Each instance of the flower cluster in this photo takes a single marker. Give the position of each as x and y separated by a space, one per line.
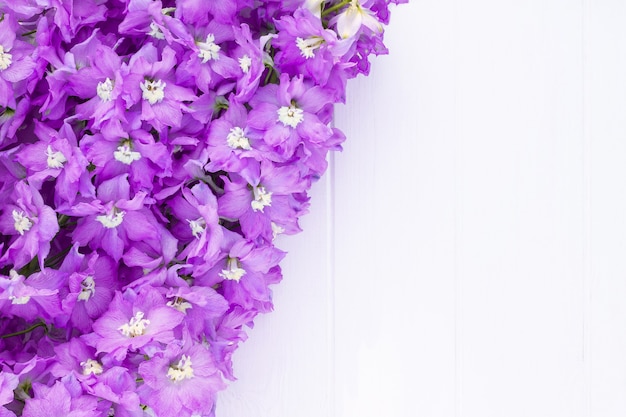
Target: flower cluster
150 154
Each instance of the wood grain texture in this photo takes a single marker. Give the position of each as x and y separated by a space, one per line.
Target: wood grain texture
465 255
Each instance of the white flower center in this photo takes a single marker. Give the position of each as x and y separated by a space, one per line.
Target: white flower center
19 300
112 219
6 59
179 304
155 31
309 45
233 271
197 227
153 91
21 222
135 327
245 62
181 370
87 289
262 198
290 116
91 366
208 50
276 230
125 154
55 159
104 89
236 139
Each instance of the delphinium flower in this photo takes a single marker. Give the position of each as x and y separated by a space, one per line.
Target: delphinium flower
289 114
31 223
56 155
151 85
135 321
126 148
262 195
181 380
151 152
16 63
58 400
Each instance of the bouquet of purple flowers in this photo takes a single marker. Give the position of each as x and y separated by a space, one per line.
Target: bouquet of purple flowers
150 153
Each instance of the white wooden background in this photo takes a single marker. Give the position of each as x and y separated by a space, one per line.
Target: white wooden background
466 254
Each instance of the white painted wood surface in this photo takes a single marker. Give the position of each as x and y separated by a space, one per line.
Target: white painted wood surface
465 255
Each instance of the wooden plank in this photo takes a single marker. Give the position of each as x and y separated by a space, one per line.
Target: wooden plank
285 366
606 128
394 217
521 209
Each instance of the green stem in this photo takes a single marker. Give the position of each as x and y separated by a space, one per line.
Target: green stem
57 257
268 77
335 7
21 332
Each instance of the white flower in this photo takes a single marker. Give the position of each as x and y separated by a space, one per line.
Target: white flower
111 220
181 370
208 50
55 159
125 154
104 89
290 116
21 222
153 91
353 17
136 326
6 59
262 198
236 139
232 272
245 62
309 45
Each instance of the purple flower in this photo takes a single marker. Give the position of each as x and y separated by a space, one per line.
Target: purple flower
196 225
305 47
91 291
151 84
288 114
250 58
263 196
127 149
180 381
135 322
58 401
57 155
116 388
201 306
101 85
205 62
231 143
32 225
114 220
16 64
8 383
